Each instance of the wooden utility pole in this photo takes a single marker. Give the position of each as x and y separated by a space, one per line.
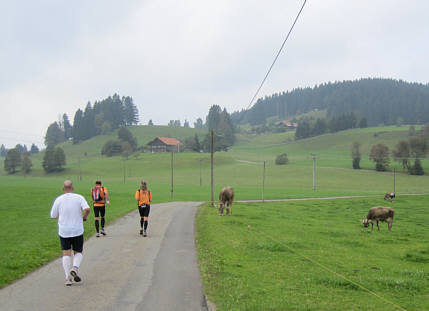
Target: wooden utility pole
201 179
394 181
123 160
314 171
211 168
171 192
263 183
80 171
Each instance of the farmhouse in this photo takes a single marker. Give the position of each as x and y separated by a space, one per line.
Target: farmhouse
164 144
287 125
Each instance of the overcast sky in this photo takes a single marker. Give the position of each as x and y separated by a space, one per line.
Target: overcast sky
177 58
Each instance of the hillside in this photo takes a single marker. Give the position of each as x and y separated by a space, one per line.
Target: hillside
332 150
242 166
380 101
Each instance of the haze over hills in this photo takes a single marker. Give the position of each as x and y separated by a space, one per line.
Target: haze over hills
380 101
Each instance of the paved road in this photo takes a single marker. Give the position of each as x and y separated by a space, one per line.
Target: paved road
123 271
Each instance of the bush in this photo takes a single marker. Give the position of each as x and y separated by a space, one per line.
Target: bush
282 159
112 148
417 168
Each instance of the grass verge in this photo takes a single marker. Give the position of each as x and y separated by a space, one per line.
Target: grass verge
245 269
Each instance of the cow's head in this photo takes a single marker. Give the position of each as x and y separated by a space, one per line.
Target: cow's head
366 222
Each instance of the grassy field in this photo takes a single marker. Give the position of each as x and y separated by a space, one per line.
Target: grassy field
292 256
28 238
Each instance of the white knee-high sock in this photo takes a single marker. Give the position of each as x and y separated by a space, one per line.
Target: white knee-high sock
67 265
77 258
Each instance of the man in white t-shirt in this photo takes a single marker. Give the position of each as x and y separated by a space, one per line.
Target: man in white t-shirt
68 209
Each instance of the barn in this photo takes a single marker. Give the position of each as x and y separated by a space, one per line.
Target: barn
287 125
163 144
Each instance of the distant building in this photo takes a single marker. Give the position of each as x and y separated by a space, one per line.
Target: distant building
163 144
287 125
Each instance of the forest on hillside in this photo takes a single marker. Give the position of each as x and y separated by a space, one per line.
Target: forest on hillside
101 118
380 101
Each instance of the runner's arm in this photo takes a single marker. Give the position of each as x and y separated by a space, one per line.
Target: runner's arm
85 214
54 210
85 207
107 196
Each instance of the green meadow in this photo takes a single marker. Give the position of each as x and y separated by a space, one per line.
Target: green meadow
28 237
315 255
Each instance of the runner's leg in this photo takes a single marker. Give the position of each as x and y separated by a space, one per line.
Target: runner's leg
97 214
102 213
67 262
77 258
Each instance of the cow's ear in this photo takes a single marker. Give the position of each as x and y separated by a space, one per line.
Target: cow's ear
363 221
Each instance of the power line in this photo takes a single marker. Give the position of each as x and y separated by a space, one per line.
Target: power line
278 53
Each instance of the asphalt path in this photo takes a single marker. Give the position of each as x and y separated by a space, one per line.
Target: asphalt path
123 271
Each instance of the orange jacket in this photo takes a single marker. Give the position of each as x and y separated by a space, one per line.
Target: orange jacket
143 196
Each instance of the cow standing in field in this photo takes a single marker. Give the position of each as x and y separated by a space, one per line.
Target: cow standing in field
389 196
379 213
226 197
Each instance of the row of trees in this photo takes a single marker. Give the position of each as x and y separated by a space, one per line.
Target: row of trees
15 160
308 128
53 160
220 122
22 149
380 101
406 152
101 118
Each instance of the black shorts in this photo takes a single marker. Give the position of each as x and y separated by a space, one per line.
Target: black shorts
99 210
144 211
75 242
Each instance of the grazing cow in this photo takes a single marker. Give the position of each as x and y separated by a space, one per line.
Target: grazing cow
226 196
379 213
389 196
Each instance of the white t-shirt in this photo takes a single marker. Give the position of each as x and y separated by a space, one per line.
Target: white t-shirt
68 209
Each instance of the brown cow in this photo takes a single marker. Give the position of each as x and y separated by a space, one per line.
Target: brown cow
226 197
379 213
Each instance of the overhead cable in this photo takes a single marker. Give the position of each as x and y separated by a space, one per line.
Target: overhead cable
278 53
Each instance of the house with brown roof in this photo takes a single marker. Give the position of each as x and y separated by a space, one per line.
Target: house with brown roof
163 144
288 125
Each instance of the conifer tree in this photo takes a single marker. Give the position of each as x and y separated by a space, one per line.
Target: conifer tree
77 127
26 164
67 127
3 151
131 112
59 158
48 163
54 135
12 161
34 149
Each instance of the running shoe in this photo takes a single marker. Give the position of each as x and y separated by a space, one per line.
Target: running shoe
68 281
144 233
97 235
75 276
141 232
102 231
